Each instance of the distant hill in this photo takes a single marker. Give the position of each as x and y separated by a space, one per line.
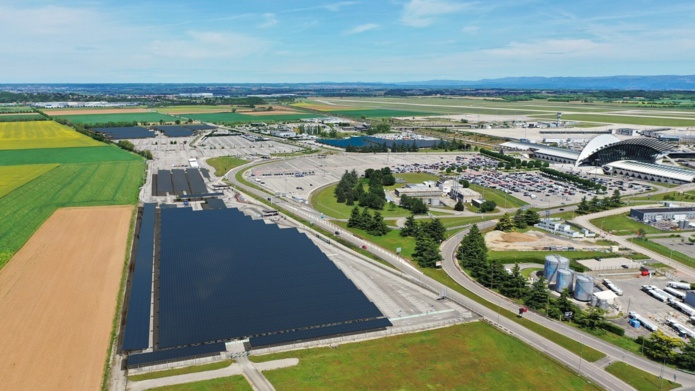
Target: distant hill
665 82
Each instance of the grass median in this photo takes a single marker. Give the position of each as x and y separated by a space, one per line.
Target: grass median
181 371
665 251
641 380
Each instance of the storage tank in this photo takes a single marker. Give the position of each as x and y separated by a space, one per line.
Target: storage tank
602 303
550 269
564 263
583 287
564 280
594 301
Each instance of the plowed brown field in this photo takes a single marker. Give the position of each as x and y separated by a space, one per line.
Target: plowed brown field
58 297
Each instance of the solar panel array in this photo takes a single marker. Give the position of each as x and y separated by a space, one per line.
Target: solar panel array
308 334
179 182
174 130
199 127
159 356
214 203
225 276
131 132
137 328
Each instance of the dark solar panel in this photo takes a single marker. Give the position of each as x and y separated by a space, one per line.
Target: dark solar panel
195 181
135 360
125 132
308 334
164 185
205 173
137 329
214 203
178 177
225 276
199 127
174 130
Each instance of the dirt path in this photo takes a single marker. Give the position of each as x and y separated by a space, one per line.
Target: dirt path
58 298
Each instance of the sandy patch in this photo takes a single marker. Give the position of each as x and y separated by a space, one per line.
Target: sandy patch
93 111
58 298
529 241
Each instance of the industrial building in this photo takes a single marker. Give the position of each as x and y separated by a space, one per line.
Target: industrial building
544 152
655 214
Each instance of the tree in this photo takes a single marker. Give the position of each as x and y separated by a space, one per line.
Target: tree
365 219
493 275
520 219
583 206
435 230
661 347
464 183
538 296
487 206
459 206
515 285
355 219
591 320
472 253
615 200
411 227
594 204
532 217
426 252
505 223
377 226
686 358
383 128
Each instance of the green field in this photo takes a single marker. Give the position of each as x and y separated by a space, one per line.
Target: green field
232 383
457 357
325 202
390 241
12 177
22 117
665 251
459 221
40 134
502 199
539 256
125 117
242 118
223 164
622 225
26 208
631 120
181 371
185 109
382 113
15 109
103 153
639 379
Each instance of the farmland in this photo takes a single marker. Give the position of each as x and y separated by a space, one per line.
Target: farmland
193 109
40 134
15 109
381 113
241 118
106 183
103 153
94 111
455 357
59 298
91 119
631 120
21 117
12 177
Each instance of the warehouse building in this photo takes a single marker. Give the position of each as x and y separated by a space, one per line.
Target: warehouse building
656 214
650 171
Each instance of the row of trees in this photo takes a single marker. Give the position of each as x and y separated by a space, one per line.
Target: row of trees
428 235
452 145
597 205
414 204
374 225
521 220
670 350
582 182
350 188
383 147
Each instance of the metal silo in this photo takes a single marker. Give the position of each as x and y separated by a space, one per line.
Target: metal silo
594 301
550 269
564 263
583 287
564 280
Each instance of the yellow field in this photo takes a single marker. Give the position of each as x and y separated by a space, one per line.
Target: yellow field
41 134
12 177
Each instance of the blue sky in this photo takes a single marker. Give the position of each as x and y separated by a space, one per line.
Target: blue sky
342 41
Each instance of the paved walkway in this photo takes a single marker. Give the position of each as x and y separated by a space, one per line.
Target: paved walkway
243 367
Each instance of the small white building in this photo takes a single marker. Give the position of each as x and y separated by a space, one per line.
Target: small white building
464 194
556 226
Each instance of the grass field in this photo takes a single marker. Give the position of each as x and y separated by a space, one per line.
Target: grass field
382 113
40 134
26 208
622 225
223 164
665 251
631 120
125 117
15 109
12 177
459 221
181 371
242 118
639 379
232 383
21 117
390 241
185 109
456 357
538 256
325 202
671 195
102 153
502 199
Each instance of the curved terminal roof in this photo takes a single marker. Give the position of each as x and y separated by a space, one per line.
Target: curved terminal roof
681 174
647 142
596 144
541 148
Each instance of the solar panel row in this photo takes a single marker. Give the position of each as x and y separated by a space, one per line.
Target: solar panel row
214 203
174 130
301 335
137 329
180 182
195 181
199 127
178 178
225 276
136 360
130 132
164 185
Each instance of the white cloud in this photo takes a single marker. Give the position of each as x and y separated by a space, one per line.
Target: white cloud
361 28
209 45
270 21
422 13
553 47
470 29
335 7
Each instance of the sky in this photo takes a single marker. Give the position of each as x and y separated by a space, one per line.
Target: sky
292 41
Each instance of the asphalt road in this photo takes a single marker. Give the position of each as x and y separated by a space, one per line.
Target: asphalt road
590 370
